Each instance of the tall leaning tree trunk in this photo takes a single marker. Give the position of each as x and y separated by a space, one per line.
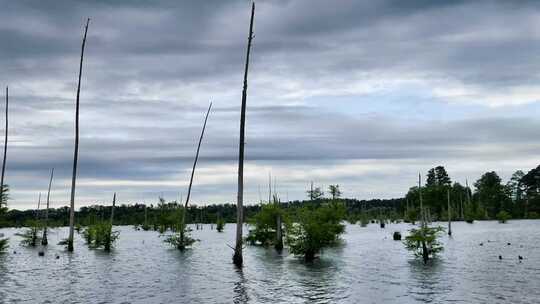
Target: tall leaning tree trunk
238 260
44 240
2 199
76 151
191 179
449 212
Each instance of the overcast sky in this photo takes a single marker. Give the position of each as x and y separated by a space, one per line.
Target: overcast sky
364 94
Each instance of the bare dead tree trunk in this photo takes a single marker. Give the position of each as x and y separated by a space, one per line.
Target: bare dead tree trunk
76 152
425 251
238 260
2 199
449 213
311 192
468 193
36 214
112 209
422 217
279 232
145 216
461 206
269 187
192 174
44 240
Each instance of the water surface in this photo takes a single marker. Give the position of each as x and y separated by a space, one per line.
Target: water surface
368 268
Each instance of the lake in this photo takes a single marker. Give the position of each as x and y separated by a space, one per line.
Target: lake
369 267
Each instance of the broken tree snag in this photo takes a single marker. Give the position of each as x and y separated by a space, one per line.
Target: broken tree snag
237 257
44 240
76 150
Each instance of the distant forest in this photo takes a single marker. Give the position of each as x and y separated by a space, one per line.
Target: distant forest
519 197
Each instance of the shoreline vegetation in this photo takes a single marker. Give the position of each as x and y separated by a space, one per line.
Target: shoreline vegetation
519 198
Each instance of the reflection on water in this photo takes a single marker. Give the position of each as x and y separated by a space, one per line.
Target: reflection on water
240 290
369 267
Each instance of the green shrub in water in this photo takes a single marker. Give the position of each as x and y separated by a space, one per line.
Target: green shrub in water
364 220
265 223
423 242
220 224
181 237
314 229
411 216
100 235
31 236
4 244
503 217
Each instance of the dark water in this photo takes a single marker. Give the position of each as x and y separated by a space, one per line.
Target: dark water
368 268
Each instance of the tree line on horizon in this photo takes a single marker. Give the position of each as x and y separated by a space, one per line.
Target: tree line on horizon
519 197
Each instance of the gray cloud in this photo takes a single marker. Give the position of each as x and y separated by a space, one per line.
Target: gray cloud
151 68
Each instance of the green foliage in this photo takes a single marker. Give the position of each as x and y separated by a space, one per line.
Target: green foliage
220 224
437 177
503 216
181 240
181 236
100 235
423 242
364 220
265 223
31 236
411 216
314 229
334 191
491 194
4 244
352 219
469 214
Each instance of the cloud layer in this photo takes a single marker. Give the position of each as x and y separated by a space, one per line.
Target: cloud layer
360 93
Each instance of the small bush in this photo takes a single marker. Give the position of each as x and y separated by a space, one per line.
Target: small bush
364 220
181 239
423 242
181 236
100 235
4 244
315 229
220 224
397 236
265 222
31 236
411 216
503 217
